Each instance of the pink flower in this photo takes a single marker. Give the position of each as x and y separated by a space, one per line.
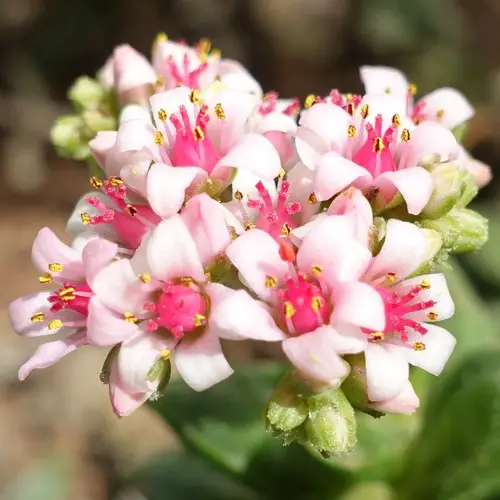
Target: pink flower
406 402
374 149
174 310
65 310
195 147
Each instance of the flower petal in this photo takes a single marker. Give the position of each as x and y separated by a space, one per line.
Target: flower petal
402 252
96 255
170 101
334 173
166 187
301 187
382 80
172 253
256 256
414 183
310 147
201 362
358 304
235 315
131 69
448 106
245 182
51 352
235 76
405 403
387 371
315 355
101 145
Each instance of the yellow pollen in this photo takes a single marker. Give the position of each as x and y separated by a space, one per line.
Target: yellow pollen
161 37
130 210
440 114
348 97
316 269
129 317
45 278
67 293
412 89
378 145
351 131
391 277
55 324
219 111
162 114
145 278
232 232
194 96
433 316
165 354
187 281
388 90
365 111
199 320
95 182
215 53
158 138
38 317
115 181
316 303
419 346
160 81
425 285
289 310
310 101
204 45
238 195
199 135
55 267
377 336
405 135
282 173
285 230
249 226
271 281
396 120
85 218
312 199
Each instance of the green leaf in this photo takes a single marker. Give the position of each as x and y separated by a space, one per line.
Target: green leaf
457 454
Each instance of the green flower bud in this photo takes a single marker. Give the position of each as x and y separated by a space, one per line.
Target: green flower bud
86 93
331 426
96 121
68 138
460 131
469 190
462 230
106 367
434 244
160 372
377 234
447 179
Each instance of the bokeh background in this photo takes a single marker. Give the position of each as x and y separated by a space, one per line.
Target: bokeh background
59 438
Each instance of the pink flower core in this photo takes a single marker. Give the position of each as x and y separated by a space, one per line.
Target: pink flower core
275 220
397 306
181 308
74 297
270 103
348 102
182 75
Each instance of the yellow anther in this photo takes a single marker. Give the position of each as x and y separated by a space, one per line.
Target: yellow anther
282 173
425 285
187 281
165 354
378 145
388 90
160 82
391 277
271 281
289 310
316 303
285 230
405 135
215 53
232 232
55 324
115 181
377 336
199 320
249 226
219 111
199 135
161 37
412 89
312 199
194 96
55 267
95 182
365 111
67 293
204 45
162 115
396 120
439 114
85 218
130 210
238 195
433 316
316 270
38 317
45 278
348 97
351 131
129 317
310 101
145 278
158 138
419 346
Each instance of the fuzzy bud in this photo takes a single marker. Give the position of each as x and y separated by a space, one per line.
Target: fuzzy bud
86 93
68 137
96 121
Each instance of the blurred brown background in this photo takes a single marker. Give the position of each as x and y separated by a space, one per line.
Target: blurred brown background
59 422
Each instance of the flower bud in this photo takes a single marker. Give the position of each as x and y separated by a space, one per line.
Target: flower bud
160 372
481 173
96 121
68 138
86 93
331 426
469 190
434 243
460 131
462 230
447 180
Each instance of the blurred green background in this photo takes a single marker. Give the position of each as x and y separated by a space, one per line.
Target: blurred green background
59 437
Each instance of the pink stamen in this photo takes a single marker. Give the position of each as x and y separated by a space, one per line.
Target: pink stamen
71 296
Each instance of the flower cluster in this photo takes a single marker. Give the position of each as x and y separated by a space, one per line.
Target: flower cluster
222 213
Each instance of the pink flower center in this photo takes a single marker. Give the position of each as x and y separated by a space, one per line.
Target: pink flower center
181 308
74 297
182 75
348 102
129 221
270 104
397 307
275 220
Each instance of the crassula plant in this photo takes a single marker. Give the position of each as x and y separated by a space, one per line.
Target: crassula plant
218 212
